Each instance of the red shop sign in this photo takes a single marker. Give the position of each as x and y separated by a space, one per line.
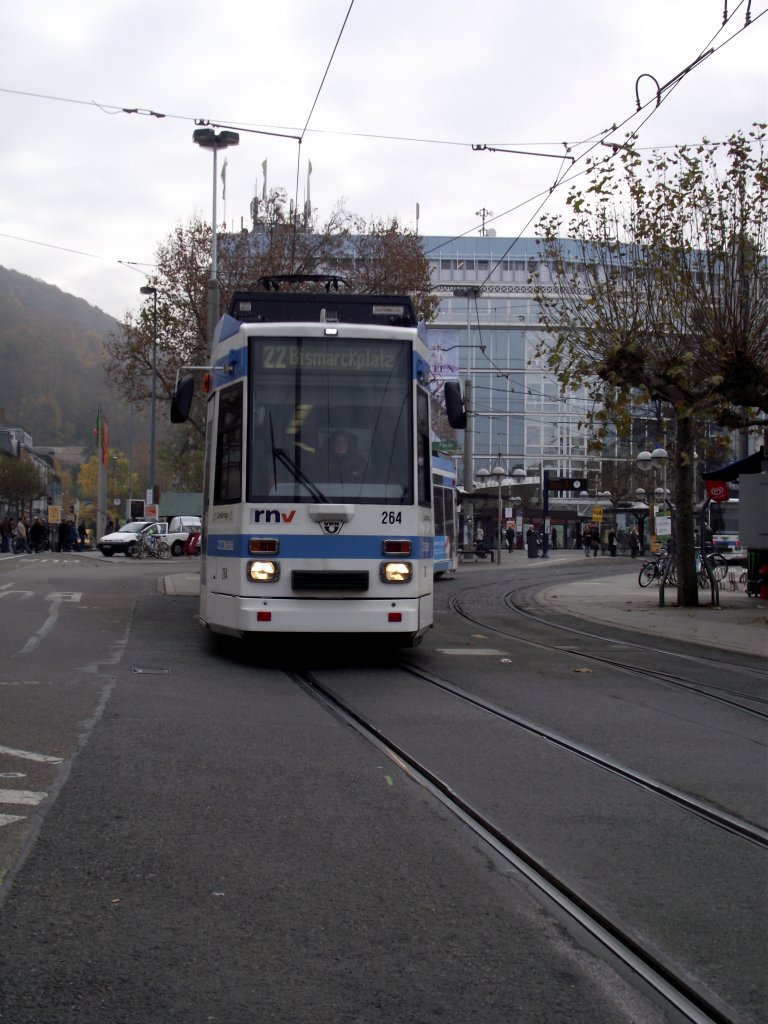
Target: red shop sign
717 490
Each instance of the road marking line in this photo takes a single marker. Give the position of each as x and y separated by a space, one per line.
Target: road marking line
28 755
8 819
21 796
46 627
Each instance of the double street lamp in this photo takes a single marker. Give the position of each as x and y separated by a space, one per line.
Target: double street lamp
209 139
652 462
500 474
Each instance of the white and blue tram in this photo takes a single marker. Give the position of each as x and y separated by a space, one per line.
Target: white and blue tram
318 486
444 495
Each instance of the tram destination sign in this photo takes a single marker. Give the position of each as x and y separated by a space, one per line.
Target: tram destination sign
278 355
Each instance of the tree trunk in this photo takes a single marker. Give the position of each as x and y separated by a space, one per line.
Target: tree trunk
687 584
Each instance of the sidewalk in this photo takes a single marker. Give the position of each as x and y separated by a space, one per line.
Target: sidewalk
739 624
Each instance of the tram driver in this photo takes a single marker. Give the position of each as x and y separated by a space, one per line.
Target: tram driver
342 458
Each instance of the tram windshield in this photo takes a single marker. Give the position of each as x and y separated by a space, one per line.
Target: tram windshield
330 420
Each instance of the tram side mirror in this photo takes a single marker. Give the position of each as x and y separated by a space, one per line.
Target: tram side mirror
181 400
454 405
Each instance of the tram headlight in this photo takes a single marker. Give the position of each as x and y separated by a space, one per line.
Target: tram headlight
263 572
396 572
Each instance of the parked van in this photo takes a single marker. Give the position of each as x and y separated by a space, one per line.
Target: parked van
179 529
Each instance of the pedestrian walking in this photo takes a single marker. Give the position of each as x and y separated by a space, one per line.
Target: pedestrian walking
554 538
594 540
36 535
586 541
510 535
531 543
22 536
612 545
634 542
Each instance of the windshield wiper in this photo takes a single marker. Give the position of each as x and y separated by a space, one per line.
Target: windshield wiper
282 456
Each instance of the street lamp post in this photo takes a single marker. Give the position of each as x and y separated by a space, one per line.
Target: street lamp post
650 462
209 139
518 477
148 290
499 473
470 292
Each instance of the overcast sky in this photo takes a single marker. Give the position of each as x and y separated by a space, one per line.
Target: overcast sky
87 191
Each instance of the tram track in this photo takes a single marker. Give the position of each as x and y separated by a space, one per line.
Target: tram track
705 810
727 695
635 960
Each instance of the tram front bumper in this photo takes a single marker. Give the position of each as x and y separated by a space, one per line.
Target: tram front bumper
238 615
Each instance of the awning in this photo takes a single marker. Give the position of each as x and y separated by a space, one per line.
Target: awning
733 470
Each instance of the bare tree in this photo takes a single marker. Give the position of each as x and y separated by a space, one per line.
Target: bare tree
378 257
20 482
662 295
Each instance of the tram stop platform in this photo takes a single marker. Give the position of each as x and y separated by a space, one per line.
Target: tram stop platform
739 623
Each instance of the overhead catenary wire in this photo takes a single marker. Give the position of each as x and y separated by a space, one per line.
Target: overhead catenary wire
561 179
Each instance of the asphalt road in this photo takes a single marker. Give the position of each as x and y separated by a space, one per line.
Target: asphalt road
200 840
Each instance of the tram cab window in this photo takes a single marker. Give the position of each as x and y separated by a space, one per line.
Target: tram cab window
331 416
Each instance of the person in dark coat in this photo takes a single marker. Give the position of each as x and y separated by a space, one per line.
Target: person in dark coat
531 543
594 540
510 535
634 542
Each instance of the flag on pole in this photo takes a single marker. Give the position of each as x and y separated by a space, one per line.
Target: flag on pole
101 437
264 172
224 179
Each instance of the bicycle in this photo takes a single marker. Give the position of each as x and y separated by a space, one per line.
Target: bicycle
650 570
658 565
152 545
718 566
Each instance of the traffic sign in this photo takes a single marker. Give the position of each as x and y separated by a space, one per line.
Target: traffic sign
597 513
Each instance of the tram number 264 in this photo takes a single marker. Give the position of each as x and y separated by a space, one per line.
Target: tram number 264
391 517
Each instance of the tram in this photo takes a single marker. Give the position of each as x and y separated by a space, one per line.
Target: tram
444 495
318 486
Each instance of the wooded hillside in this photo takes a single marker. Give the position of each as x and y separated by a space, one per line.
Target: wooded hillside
52 359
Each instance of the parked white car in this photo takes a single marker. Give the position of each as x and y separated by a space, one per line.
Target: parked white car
123 541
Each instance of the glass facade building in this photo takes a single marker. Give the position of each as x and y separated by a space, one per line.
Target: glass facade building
488 331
